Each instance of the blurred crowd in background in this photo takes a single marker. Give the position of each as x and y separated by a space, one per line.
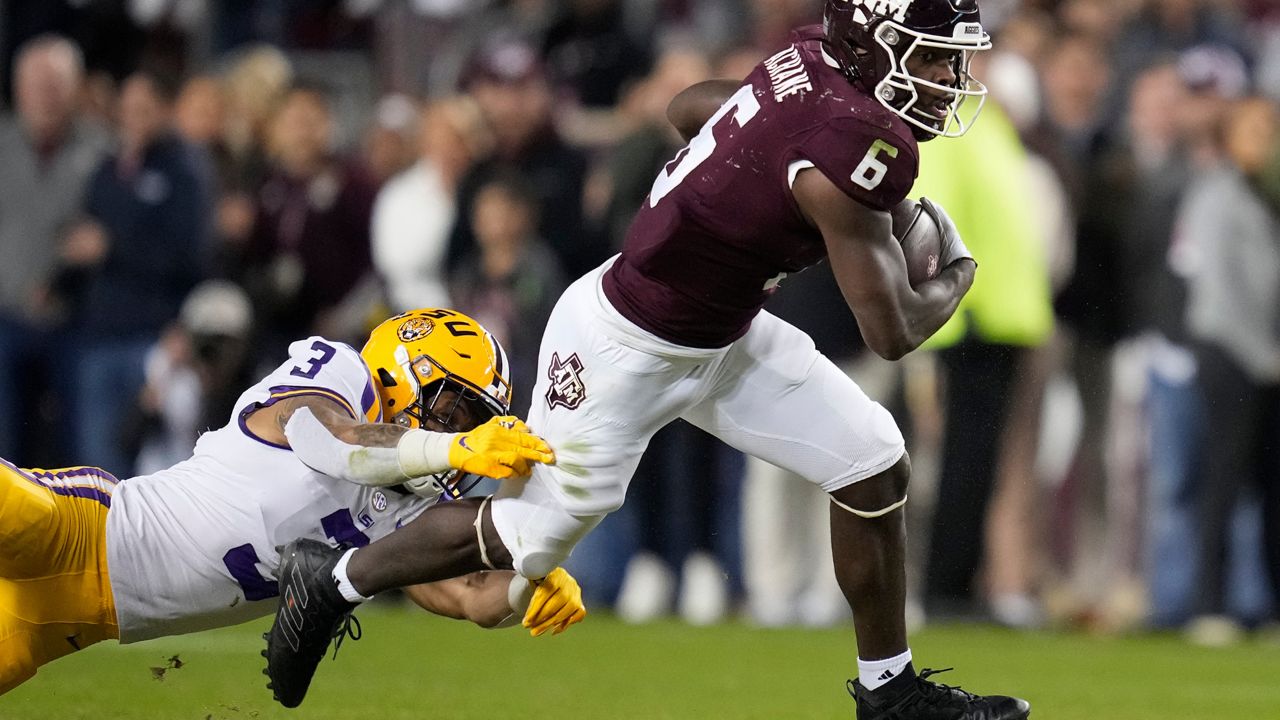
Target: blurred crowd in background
186 186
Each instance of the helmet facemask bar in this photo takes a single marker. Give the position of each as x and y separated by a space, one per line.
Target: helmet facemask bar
481 404
431 406
899 82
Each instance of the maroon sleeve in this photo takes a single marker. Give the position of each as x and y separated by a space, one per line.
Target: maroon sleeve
872 165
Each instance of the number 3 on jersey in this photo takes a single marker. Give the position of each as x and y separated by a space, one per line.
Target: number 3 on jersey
744 106
314 364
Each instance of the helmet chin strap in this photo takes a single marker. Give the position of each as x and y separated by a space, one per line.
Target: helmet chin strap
826 57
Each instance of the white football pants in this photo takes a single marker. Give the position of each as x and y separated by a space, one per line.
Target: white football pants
606 386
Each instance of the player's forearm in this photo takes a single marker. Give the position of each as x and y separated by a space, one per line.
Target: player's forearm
498 602
376 435
936 301
366 454
898 318
484 598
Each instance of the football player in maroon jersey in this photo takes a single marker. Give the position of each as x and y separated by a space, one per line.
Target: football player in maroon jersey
799 162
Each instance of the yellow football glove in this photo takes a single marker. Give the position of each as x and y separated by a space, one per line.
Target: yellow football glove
556 603
501 448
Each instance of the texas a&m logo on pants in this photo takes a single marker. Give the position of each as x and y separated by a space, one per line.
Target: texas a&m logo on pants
567 389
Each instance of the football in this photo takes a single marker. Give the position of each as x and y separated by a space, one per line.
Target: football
921 240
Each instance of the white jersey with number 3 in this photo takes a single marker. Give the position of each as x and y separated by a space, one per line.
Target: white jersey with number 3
194 546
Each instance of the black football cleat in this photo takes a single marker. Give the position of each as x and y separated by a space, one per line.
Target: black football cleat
311 613
915 697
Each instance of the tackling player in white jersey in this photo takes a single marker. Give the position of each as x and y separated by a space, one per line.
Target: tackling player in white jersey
88 558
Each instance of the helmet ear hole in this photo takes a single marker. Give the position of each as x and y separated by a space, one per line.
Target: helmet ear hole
386 378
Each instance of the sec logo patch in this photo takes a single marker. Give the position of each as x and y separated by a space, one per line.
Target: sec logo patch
379 501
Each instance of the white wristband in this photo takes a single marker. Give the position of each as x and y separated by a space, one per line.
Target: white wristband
519 593
422 452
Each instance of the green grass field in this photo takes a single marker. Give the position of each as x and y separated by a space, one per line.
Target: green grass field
410 665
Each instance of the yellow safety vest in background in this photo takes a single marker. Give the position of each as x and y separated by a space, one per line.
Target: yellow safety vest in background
980 179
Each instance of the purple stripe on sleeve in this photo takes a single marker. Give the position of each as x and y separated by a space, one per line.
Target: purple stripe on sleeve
83 492
24 474
92 472
42 477
368 398
300 390
243 418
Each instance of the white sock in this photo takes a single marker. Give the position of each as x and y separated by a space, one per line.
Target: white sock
344 583
874 673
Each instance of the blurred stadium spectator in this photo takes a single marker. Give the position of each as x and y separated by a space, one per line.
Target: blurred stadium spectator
49 152
417 209
512 281
1166 150
593 53
389 140
1233 315
984 349
194 375
310 244
135 255
253 85
508 80
1074 136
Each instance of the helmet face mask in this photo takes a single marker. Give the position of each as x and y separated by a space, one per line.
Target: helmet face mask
447 403
874 43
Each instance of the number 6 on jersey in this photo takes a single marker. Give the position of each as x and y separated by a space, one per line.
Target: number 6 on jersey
744 106
870 172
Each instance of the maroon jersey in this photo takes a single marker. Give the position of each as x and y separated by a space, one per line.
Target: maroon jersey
720 227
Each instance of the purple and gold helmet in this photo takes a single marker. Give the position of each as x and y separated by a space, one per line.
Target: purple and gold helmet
418 355
438 369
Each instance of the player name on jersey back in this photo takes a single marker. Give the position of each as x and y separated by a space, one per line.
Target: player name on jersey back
787 74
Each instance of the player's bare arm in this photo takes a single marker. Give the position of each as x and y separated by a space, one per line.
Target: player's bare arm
269 422
500 598
689 110
868 264
480 597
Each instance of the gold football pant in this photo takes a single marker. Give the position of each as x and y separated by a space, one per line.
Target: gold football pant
55 597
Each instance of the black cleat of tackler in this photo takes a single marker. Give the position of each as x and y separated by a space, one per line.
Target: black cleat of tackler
310 614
